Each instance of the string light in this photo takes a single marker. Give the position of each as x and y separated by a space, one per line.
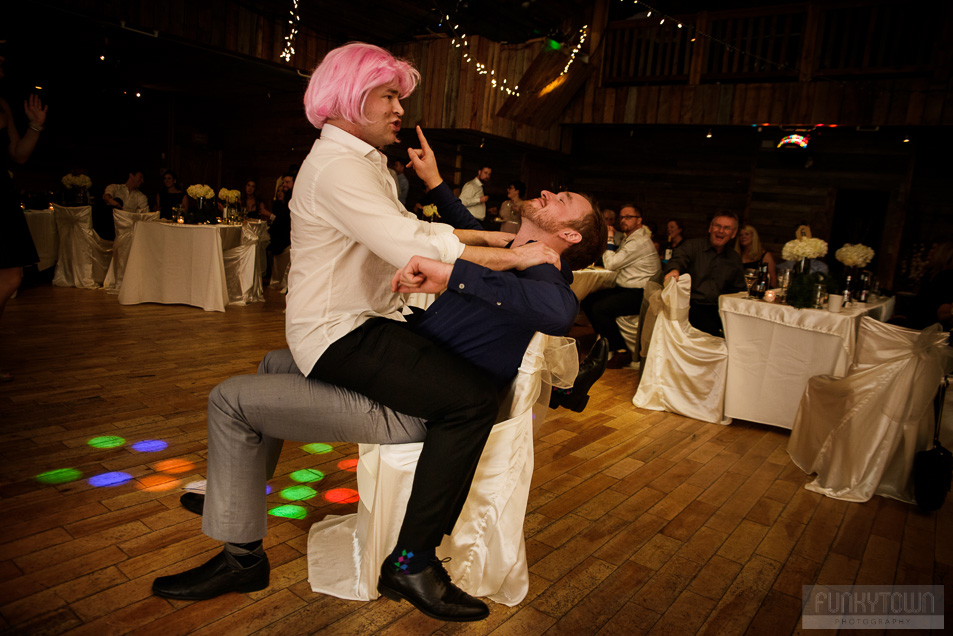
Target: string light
709 37
289 49
583 32
461 41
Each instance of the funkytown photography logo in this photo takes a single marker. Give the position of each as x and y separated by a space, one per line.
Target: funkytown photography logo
872 606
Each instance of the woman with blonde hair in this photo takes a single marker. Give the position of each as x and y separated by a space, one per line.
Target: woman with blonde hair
752 254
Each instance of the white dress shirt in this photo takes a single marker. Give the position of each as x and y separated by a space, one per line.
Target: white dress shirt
349 235
470 196
134 201
636 261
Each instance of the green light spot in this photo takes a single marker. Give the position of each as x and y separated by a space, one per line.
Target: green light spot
289 512
307 474
59 476
317 449
554 45
298 493
107 441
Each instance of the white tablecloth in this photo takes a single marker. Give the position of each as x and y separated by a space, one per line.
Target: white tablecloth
586 281
178 264
42 225
774 349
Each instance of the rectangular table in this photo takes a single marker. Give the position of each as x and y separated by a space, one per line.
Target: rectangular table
774 349
178 264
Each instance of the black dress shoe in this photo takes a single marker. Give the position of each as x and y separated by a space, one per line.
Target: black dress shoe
590 370
217 576
193 502
432 592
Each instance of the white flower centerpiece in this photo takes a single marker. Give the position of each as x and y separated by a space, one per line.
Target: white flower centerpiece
854 255
803 249
203 195
231 198
77 187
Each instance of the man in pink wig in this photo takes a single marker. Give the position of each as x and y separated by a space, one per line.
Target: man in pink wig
344 326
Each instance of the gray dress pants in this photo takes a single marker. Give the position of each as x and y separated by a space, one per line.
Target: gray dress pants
249 417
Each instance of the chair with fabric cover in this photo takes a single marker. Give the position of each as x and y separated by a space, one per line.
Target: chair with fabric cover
860 433
83 256
685 369
243 266
488 555
125 223
632 327
280 265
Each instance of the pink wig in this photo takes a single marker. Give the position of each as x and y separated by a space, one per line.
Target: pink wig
341 82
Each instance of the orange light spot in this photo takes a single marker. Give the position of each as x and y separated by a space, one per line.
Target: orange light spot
174 466
348 464
157 483
342 495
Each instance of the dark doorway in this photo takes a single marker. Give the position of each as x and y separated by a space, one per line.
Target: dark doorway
859 217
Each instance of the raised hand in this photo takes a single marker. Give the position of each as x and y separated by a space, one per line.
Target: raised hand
424 162
35 110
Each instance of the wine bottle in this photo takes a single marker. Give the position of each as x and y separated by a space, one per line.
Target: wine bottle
760 284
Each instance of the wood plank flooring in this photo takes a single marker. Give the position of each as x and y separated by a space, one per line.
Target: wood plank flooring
638 523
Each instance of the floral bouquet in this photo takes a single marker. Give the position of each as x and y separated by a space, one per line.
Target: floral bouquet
804 248
854 255
230 197
430 211
77 181
200 191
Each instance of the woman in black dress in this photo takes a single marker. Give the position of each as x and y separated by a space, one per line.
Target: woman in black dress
16 245
170 196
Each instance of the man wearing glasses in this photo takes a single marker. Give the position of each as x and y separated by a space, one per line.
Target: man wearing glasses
635 262
714 269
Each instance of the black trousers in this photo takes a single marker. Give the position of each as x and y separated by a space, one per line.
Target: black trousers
706 318
603 306
389 363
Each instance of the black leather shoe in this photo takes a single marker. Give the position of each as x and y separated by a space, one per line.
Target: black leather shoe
590 370
193 502
432 592
214 578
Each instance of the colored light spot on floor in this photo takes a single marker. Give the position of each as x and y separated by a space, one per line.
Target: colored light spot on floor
106 441
306 475
317 449
267 489
174 466
59 476
298 493
348 464
289 512
157 483
106 480
342 495
150 446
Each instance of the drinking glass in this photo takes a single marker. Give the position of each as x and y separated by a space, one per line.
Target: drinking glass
750 276
820 296
784 281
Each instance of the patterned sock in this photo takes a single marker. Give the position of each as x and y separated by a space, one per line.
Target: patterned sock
410 562
244 555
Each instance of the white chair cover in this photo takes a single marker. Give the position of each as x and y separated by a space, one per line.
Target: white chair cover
487 548
42 224
629 329
280 266
125 223
860 433
83 256
243 267
685 369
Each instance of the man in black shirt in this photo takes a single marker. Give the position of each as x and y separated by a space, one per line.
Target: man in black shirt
715 269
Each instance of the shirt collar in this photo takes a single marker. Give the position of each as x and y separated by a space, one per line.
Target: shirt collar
332 132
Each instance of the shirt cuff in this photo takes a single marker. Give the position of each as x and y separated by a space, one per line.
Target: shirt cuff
447 244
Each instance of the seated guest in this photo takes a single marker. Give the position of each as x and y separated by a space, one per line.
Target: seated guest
126 196
635 262
715 269
169 196
675 235
510 209
752 255
280 223
253 206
